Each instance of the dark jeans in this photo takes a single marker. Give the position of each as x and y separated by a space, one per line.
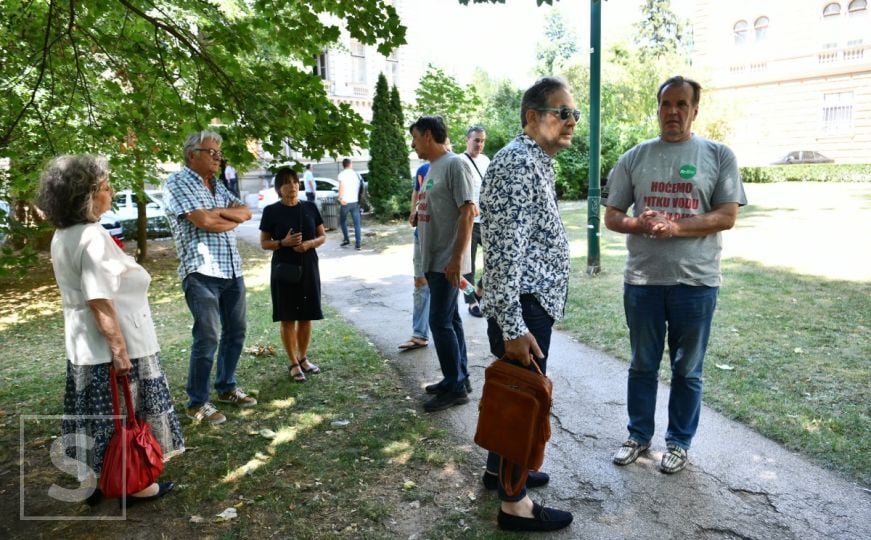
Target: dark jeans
540 325
447 332
470 277
685 313
310 197
218 309
354 209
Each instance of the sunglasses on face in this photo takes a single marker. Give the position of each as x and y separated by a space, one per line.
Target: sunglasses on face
564 113
214 154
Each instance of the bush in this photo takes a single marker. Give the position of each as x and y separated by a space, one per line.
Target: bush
822 172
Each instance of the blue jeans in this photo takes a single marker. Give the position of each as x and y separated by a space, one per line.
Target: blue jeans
685 313
447 332
218 308
354 209
540 325
420 316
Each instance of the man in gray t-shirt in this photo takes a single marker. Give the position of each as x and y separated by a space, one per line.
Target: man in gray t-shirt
445 213
684 190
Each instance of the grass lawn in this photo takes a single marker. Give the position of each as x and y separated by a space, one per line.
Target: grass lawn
344 455
790 350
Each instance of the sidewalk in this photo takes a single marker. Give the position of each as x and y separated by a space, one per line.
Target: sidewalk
738 484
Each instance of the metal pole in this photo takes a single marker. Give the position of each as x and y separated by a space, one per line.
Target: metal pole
594 194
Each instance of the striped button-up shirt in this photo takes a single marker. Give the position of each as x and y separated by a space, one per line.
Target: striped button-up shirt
209 253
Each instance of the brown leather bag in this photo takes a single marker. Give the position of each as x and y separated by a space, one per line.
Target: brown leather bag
514 417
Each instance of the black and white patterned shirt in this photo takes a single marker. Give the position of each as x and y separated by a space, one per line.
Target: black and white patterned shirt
526 249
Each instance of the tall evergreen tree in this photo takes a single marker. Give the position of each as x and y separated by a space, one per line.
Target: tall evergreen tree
400 147
386 188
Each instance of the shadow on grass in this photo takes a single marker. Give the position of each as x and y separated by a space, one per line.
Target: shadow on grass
340 455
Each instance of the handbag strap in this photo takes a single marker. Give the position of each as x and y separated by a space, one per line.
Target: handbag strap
128 399
481 176
534 363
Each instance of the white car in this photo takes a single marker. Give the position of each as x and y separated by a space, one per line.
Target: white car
326 187
112 224
125 204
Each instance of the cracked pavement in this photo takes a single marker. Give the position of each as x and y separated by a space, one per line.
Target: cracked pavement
738 484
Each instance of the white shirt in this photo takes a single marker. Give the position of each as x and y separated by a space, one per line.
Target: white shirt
308 182
350 185
88 265
481 163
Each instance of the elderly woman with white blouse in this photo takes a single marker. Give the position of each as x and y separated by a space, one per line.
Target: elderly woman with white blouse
107 321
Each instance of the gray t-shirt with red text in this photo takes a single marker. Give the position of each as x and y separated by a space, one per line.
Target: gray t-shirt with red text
679 179
447 187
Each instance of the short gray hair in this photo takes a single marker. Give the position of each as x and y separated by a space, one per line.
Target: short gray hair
194 141
537 96
67 187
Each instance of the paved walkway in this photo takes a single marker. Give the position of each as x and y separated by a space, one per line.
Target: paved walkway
738 484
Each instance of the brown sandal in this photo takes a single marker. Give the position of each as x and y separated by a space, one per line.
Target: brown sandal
299 376
309 367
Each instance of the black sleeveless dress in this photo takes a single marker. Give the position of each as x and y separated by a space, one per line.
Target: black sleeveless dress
300 302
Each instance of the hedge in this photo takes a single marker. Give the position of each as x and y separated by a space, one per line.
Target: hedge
822 172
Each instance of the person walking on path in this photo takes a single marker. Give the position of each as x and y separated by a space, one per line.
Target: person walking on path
526 266
420 314
308 183
203 215
445 214
349 190
684 190
476 138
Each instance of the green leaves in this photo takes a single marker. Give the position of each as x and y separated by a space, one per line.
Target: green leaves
130 80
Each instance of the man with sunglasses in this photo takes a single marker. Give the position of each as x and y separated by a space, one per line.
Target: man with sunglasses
684 190
526 268
203 214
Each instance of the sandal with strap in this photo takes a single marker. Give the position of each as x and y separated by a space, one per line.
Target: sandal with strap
309 367
299 376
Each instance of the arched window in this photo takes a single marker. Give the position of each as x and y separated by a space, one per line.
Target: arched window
832 10
761 27
740 30
857 5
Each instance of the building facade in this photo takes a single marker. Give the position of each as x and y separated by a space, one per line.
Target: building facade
792 74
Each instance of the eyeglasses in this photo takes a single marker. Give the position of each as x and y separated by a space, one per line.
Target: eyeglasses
214 154
564 113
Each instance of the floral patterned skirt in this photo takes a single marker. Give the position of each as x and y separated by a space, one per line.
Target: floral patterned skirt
88 395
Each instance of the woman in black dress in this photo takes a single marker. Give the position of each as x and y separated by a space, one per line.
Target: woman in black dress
292 229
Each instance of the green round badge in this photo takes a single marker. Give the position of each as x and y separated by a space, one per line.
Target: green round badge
429 184
687 171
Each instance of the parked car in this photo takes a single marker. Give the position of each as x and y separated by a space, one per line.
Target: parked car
4 219
325 187
157 225
125 204
803 156
112 223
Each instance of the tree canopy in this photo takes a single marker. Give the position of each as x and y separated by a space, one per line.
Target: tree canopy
439 94
130 79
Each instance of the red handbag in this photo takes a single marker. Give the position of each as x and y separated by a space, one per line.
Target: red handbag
134 459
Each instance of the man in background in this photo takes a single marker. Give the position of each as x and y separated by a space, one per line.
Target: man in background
349 190
476 137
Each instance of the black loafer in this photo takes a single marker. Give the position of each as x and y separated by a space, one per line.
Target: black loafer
163 489
544 519
439 387
445 401
533 480
475 311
